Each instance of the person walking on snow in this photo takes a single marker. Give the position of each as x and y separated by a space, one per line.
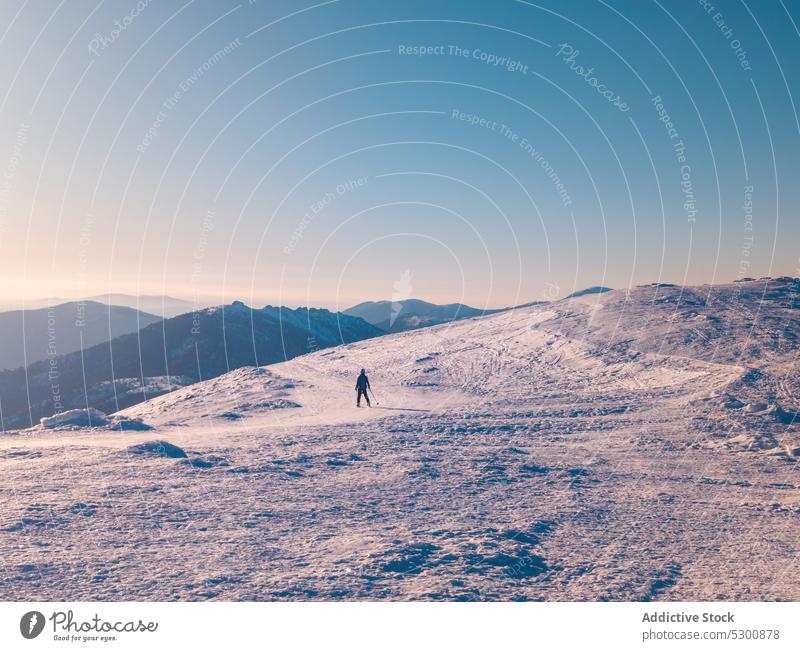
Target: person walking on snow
362 384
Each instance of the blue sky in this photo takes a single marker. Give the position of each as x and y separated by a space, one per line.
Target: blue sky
321 153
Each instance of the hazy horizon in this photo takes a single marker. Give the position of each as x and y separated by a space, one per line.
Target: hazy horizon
210 301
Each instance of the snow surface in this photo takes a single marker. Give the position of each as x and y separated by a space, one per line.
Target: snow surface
541 453
92 418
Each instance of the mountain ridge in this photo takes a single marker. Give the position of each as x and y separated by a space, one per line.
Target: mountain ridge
410 314
36 334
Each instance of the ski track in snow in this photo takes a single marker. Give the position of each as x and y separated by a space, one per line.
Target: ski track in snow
507 460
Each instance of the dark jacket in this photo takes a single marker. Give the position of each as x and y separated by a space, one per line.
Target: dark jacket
362 382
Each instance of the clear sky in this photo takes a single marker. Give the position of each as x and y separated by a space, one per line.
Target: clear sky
327 153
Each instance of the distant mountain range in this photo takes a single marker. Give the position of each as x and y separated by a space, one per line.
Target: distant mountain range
163 306
29 336
169 354
410 314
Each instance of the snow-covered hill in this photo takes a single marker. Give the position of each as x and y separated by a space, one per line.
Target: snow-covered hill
502 361
622 445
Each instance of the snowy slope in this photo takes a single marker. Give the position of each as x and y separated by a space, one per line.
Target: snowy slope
495 359
623 445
